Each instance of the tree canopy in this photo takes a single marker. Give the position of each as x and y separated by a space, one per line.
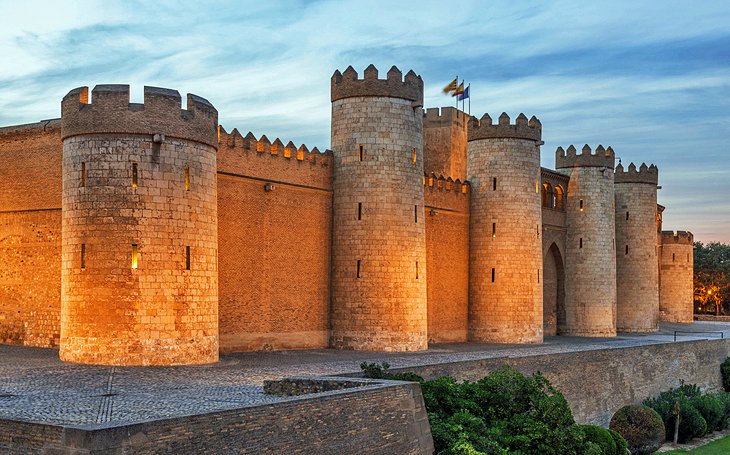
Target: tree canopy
712 278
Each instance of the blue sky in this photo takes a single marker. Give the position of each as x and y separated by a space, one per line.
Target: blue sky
651 79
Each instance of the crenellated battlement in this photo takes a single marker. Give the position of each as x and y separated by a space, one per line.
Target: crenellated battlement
522 128
347 84
445 184
587 158
110 112
645 174
445 116
263 146
679 237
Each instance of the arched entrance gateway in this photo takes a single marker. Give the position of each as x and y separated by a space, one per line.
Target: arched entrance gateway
553 292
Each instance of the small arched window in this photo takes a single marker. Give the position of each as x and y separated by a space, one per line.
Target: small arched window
559 198
547 195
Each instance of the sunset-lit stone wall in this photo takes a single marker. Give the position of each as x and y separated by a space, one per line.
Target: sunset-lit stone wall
30 234
447 259
505 248
139 252
590 252
444 142
274 237
637 277
676 292
553 251
379 235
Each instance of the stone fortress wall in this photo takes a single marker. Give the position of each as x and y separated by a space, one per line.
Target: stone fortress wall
139 254
590 260
637 302
676 267
416 207
505 258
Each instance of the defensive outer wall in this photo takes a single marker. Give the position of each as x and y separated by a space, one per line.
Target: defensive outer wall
279 230
379 416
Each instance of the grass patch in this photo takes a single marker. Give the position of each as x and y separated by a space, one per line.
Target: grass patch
719 447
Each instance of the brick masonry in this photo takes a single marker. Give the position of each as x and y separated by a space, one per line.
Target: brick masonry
590 251
447 259
139 277
387 419
274 246
597 383
637 277
505 261
286 227
379 236
444 141
676 295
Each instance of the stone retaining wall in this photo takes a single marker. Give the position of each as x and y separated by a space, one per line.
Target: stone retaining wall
597 383
383 418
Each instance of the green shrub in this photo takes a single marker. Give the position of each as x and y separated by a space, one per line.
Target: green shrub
380 371
518 414
725 370
374 370
621 445
691 422
641 426
724 398
712 410
601 437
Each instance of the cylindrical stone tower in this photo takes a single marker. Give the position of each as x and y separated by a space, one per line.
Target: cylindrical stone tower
676 291
505 248
637 277
379 241
139 254
590 250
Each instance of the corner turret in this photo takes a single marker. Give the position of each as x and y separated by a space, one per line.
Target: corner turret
111 112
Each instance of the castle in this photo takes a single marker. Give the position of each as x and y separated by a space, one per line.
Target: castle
146 234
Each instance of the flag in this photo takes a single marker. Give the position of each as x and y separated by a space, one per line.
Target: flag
464 95
459 91
451 87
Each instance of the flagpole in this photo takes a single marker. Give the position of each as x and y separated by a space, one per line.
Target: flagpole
470 100
457 88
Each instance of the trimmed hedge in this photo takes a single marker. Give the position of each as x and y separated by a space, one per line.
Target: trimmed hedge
601 437
641 426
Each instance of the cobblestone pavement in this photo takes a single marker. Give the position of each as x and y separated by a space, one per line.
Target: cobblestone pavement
35 386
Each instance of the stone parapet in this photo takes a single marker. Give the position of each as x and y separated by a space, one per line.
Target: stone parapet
522 128
679 237
644 174
111 112
347 85
569 158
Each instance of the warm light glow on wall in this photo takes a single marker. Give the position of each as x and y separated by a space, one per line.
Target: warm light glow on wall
187 177
135 255
135 174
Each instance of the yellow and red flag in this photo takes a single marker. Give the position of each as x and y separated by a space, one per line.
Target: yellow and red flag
451 87
459 90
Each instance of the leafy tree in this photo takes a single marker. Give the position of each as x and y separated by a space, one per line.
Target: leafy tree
712 277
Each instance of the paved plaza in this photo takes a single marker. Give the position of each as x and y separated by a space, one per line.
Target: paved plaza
36 386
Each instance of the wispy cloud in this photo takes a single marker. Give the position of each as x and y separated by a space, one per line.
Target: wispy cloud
653 82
